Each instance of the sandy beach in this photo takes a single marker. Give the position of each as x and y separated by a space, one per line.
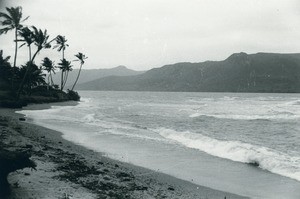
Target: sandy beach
67 170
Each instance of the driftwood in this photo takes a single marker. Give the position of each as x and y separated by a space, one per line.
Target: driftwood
11 161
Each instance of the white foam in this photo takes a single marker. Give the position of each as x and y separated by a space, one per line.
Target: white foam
267 159
89 118
278 116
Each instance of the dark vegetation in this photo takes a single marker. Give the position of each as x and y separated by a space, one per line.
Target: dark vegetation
11 161
241 72
27 82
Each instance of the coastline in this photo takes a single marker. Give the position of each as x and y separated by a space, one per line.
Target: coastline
67 170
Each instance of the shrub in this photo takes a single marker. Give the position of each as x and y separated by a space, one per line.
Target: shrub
73 95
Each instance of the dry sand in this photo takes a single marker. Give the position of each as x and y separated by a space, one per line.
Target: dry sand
66 170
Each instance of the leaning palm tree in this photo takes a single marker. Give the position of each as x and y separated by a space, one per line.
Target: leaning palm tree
41 42
65 67
80 57
26 37
61 45
49 66
12 21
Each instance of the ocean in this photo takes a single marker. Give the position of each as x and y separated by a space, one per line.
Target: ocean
244 143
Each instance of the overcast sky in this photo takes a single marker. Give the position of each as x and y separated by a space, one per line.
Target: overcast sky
142 34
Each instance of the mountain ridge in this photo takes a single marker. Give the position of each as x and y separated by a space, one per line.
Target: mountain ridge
92 74
240 72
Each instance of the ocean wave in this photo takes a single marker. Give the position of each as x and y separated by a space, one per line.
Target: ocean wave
131 135
275 116
266 158
89 118
295 102
227 98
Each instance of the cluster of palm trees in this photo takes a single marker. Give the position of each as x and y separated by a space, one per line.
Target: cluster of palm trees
29 75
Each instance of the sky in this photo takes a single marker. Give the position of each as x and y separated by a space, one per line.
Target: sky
144 34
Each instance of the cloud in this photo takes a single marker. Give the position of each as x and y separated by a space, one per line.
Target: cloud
150 33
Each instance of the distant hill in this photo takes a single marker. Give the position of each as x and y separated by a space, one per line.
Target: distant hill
241 72
92 74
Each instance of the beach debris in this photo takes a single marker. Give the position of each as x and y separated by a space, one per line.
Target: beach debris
254 163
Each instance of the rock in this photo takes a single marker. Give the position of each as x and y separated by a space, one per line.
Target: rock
11 161
22 119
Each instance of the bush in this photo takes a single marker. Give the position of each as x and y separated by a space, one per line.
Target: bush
13 103
73 95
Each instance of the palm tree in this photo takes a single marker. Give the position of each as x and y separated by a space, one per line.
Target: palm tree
34 77
27 38
65 67
80 57
12 21
61 45
41 41
49 66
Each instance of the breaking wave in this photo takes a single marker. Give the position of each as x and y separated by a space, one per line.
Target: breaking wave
275 116
265 158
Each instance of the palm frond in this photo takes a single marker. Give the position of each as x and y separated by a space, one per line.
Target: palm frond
22 45
4 30
6 16
25 18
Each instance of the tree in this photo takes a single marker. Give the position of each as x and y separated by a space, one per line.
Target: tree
12 21
33 78
61 45
65 67
41 42
27 38
5 67
49 66
80 57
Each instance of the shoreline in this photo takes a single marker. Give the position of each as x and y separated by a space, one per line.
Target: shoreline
69 170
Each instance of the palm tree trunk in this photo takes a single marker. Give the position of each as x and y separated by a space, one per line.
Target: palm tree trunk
51 79
16 46
62 73
66 78
26 73
62 80
29 52
77 77
48 85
